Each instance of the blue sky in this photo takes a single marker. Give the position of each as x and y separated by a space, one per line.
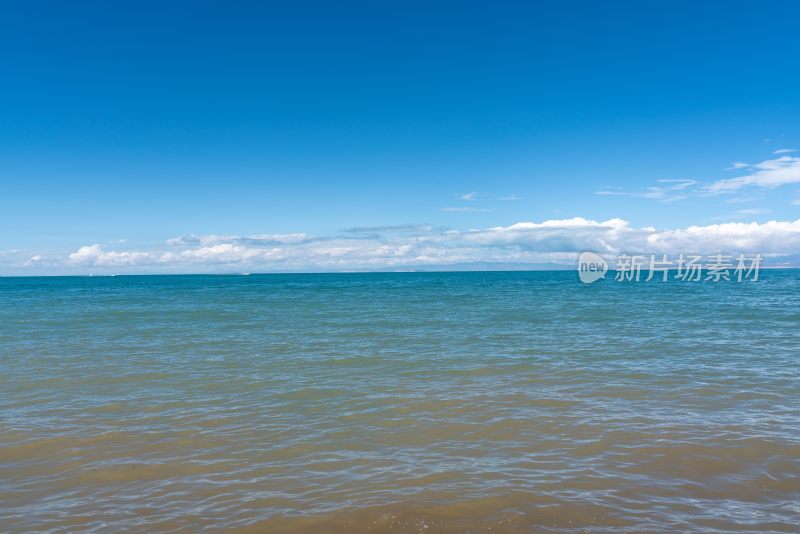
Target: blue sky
128 124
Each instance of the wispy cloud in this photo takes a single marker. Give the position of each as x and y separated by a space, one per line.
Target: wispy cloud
671 191
753 211
784 151
770 173
747 213
744 199
474 195
678 184
464 209
398 228
260 239
737 165
551 241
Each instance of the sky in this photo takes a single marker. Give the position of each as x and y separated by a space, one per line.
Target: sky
273 136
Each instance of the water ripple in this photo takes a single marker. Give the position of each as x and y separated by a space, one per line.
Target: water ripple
471 402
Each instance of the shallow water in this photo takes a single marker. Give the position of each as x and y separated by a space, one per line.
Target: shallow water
444 402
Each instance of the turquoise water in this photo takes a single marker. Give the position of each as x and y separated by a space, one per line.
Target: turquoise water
409 402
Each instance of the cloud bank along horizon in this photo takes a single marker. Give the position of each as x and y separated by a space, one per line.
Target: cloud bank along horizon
551 242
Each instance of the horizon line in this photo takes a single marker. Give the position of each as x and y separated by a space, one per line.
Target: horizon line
405 271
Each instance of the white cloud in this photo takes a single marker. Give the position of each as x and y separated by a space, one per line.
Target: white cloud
737 165
221 239
770 174
95 256
550 241
456 209
744 199
679 184
773 237
743 214
474 195
753 211
398 228
672 191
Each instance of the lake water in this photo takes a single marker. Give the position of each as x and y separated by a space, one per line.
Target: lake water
407 402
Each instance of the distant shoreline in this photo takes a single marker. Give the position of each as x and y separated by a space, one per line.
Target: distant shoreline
399 271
